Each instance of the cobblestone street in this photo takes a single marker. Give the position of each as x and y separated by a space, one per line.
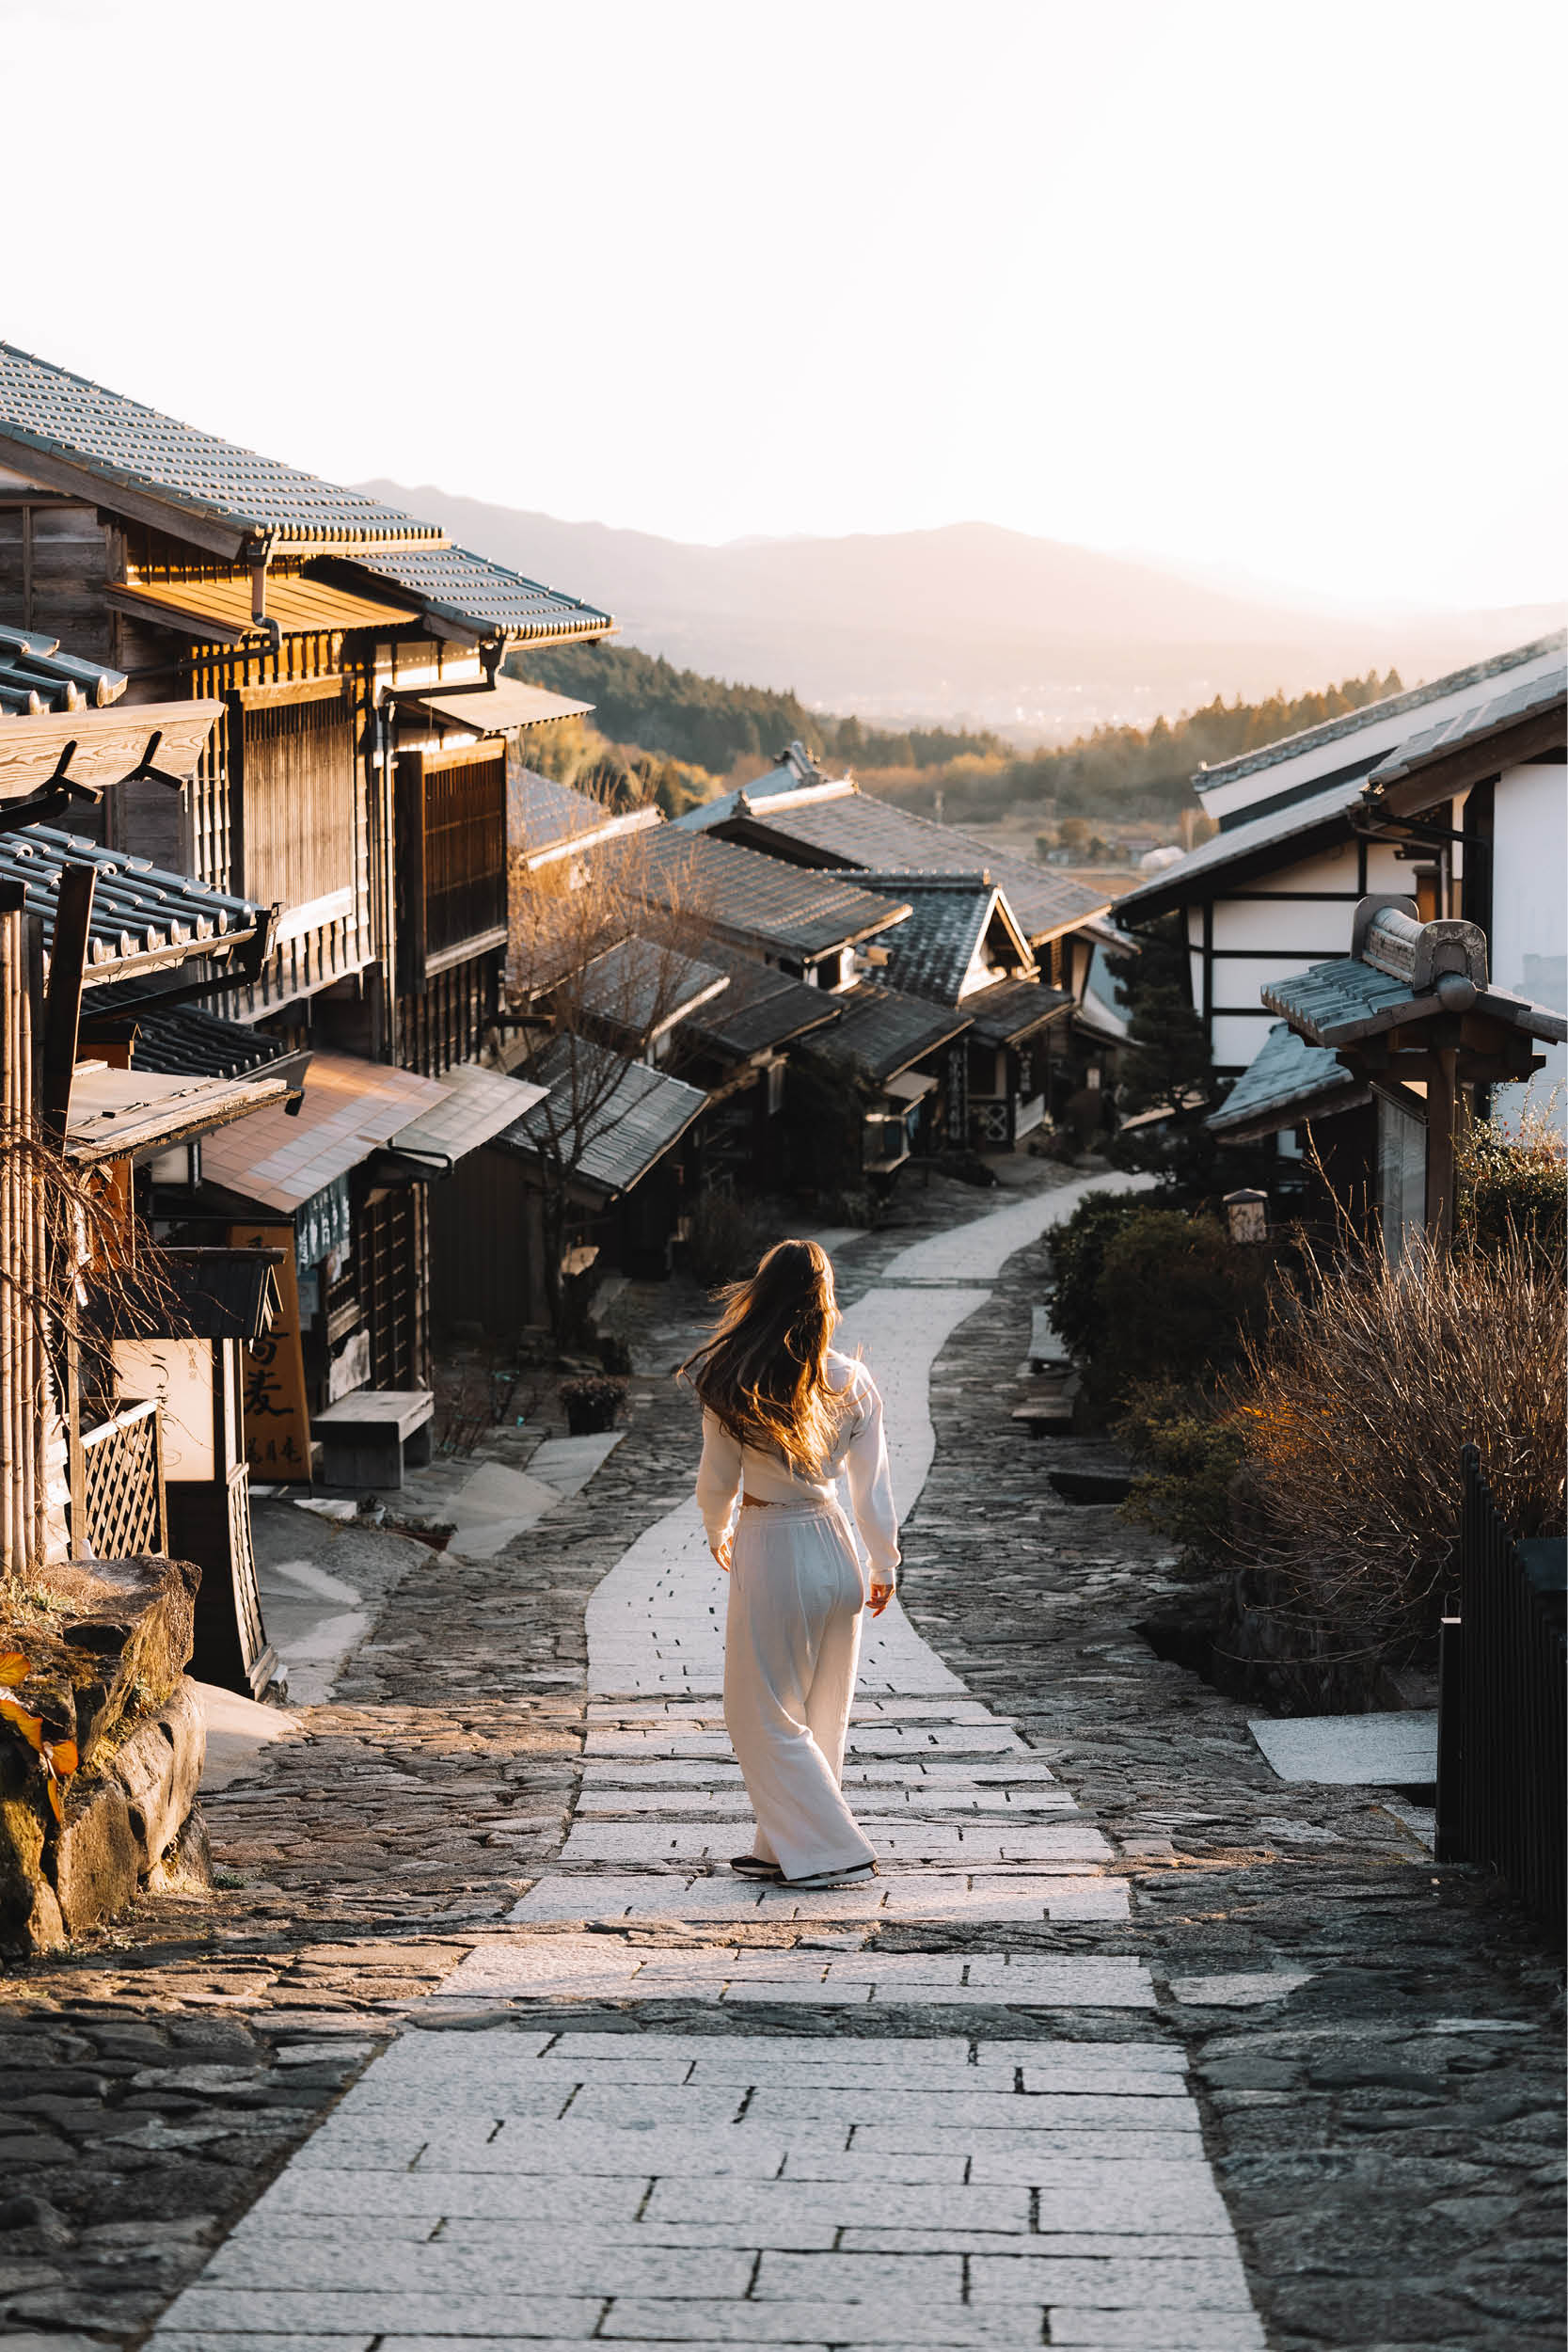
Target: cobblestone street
476 2041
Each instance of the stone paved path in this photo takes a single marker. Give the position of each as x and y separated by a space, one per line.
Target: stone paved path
1370 2045
998 2188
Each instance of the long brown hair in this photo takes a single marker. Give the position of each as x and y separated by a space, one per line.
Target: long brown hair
764 1370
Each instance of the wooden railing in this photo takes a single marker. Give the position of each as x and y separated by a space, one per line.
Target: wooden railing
118 1493
1502 1737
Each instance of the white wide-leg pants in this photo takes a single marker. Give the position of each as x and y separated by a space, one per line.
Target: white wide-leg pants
792 1640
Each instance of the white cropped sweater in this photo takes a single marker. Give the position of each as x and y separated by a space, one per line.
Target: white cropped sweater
858 1453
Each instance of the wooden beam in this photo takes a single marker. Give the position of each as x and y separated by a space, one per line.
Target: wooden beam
1471 763
63 1004
109 744
1442 1111
142 506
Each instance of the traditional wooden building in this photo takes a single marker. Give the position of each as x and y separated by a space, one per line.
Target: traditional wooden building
356 780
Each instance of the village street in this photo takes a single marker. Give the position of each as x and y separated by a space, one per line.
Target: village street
476 2041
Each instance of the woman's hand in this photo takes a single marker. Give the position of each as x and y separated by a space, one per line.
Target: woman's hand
880 1596
722 1552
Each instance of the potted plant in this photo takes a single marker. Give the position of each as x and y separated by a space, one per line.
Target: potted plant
592 1403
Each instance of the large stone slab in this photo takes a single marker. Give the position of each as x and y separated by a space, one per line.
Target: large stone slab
1367 1750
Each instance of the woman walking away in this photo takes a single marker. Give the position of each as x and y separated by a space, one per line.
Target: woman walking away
782 1416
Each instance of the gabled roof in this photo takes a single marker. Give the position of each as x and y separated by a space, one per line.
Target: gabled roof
846 827
629 1116
142 919
797 775
881 1032
931 954
1474 724
762 1008
72 435
468 594
1287 1082
788 909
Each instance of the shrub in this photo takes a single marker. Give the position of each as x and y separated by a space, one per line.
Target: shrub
1512 1181
1172 1301
1188 1455
1354 1402
1077 1255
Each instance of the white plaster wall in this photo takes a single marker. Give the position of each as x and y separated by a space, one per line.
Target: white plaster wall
1530 914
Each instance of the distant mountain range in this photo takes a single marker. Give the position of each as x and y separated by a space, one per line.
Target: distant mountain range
970 623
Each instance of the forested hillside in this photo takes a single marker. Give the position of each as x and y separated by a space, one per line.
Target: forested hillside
640 698
645 705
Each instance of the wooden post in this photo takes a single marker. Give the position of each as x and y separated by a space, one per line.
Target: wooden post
63 1004
1442 1113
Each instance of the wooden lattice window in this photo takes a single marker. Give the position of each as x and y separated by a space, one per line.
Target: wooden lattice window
122 1486
385 1275
296 816
451 856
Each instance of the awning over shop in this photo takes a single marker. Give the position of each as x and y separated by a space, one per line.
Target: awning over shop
911 1086
613 1119
116 1114
217 612
1009 1011
1288 1083
476 1104
349 1110
498 710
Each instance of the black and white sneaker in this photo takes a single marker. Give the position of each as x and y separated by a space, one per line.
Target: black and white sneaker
853 1874
752 1866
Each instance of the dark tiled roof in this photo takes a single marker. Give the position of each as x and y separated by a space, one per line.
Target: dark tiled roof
121 443
881 1032
931 954
641 987
186 1040
761 1008
857 829
1337 1003
1485 717
543 815
1010 1010
142 918
450 584
627 1116
36 676
797 771
1287 1081
1277 828
194 1294
1394 707
789 908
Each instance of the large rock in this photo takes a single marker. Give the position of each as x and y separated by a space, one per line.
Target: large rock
95 1857
29 1914
158 1766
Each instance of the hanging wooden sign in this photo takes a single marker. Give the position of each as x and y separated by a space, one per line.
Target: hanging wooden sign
277 1416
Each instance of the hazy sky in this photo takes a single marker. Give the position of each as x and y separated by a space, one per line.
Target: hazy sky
1269 286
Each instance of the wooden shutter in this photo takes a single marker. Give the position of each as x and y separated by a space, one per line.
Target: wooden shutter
297 795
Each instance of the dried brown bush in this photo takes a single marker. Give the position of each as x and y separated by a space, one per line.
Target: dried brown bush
1355 1400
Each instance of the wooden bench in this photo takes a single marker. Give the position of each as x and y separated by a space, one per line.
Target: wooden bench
366 1438
1046 1352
